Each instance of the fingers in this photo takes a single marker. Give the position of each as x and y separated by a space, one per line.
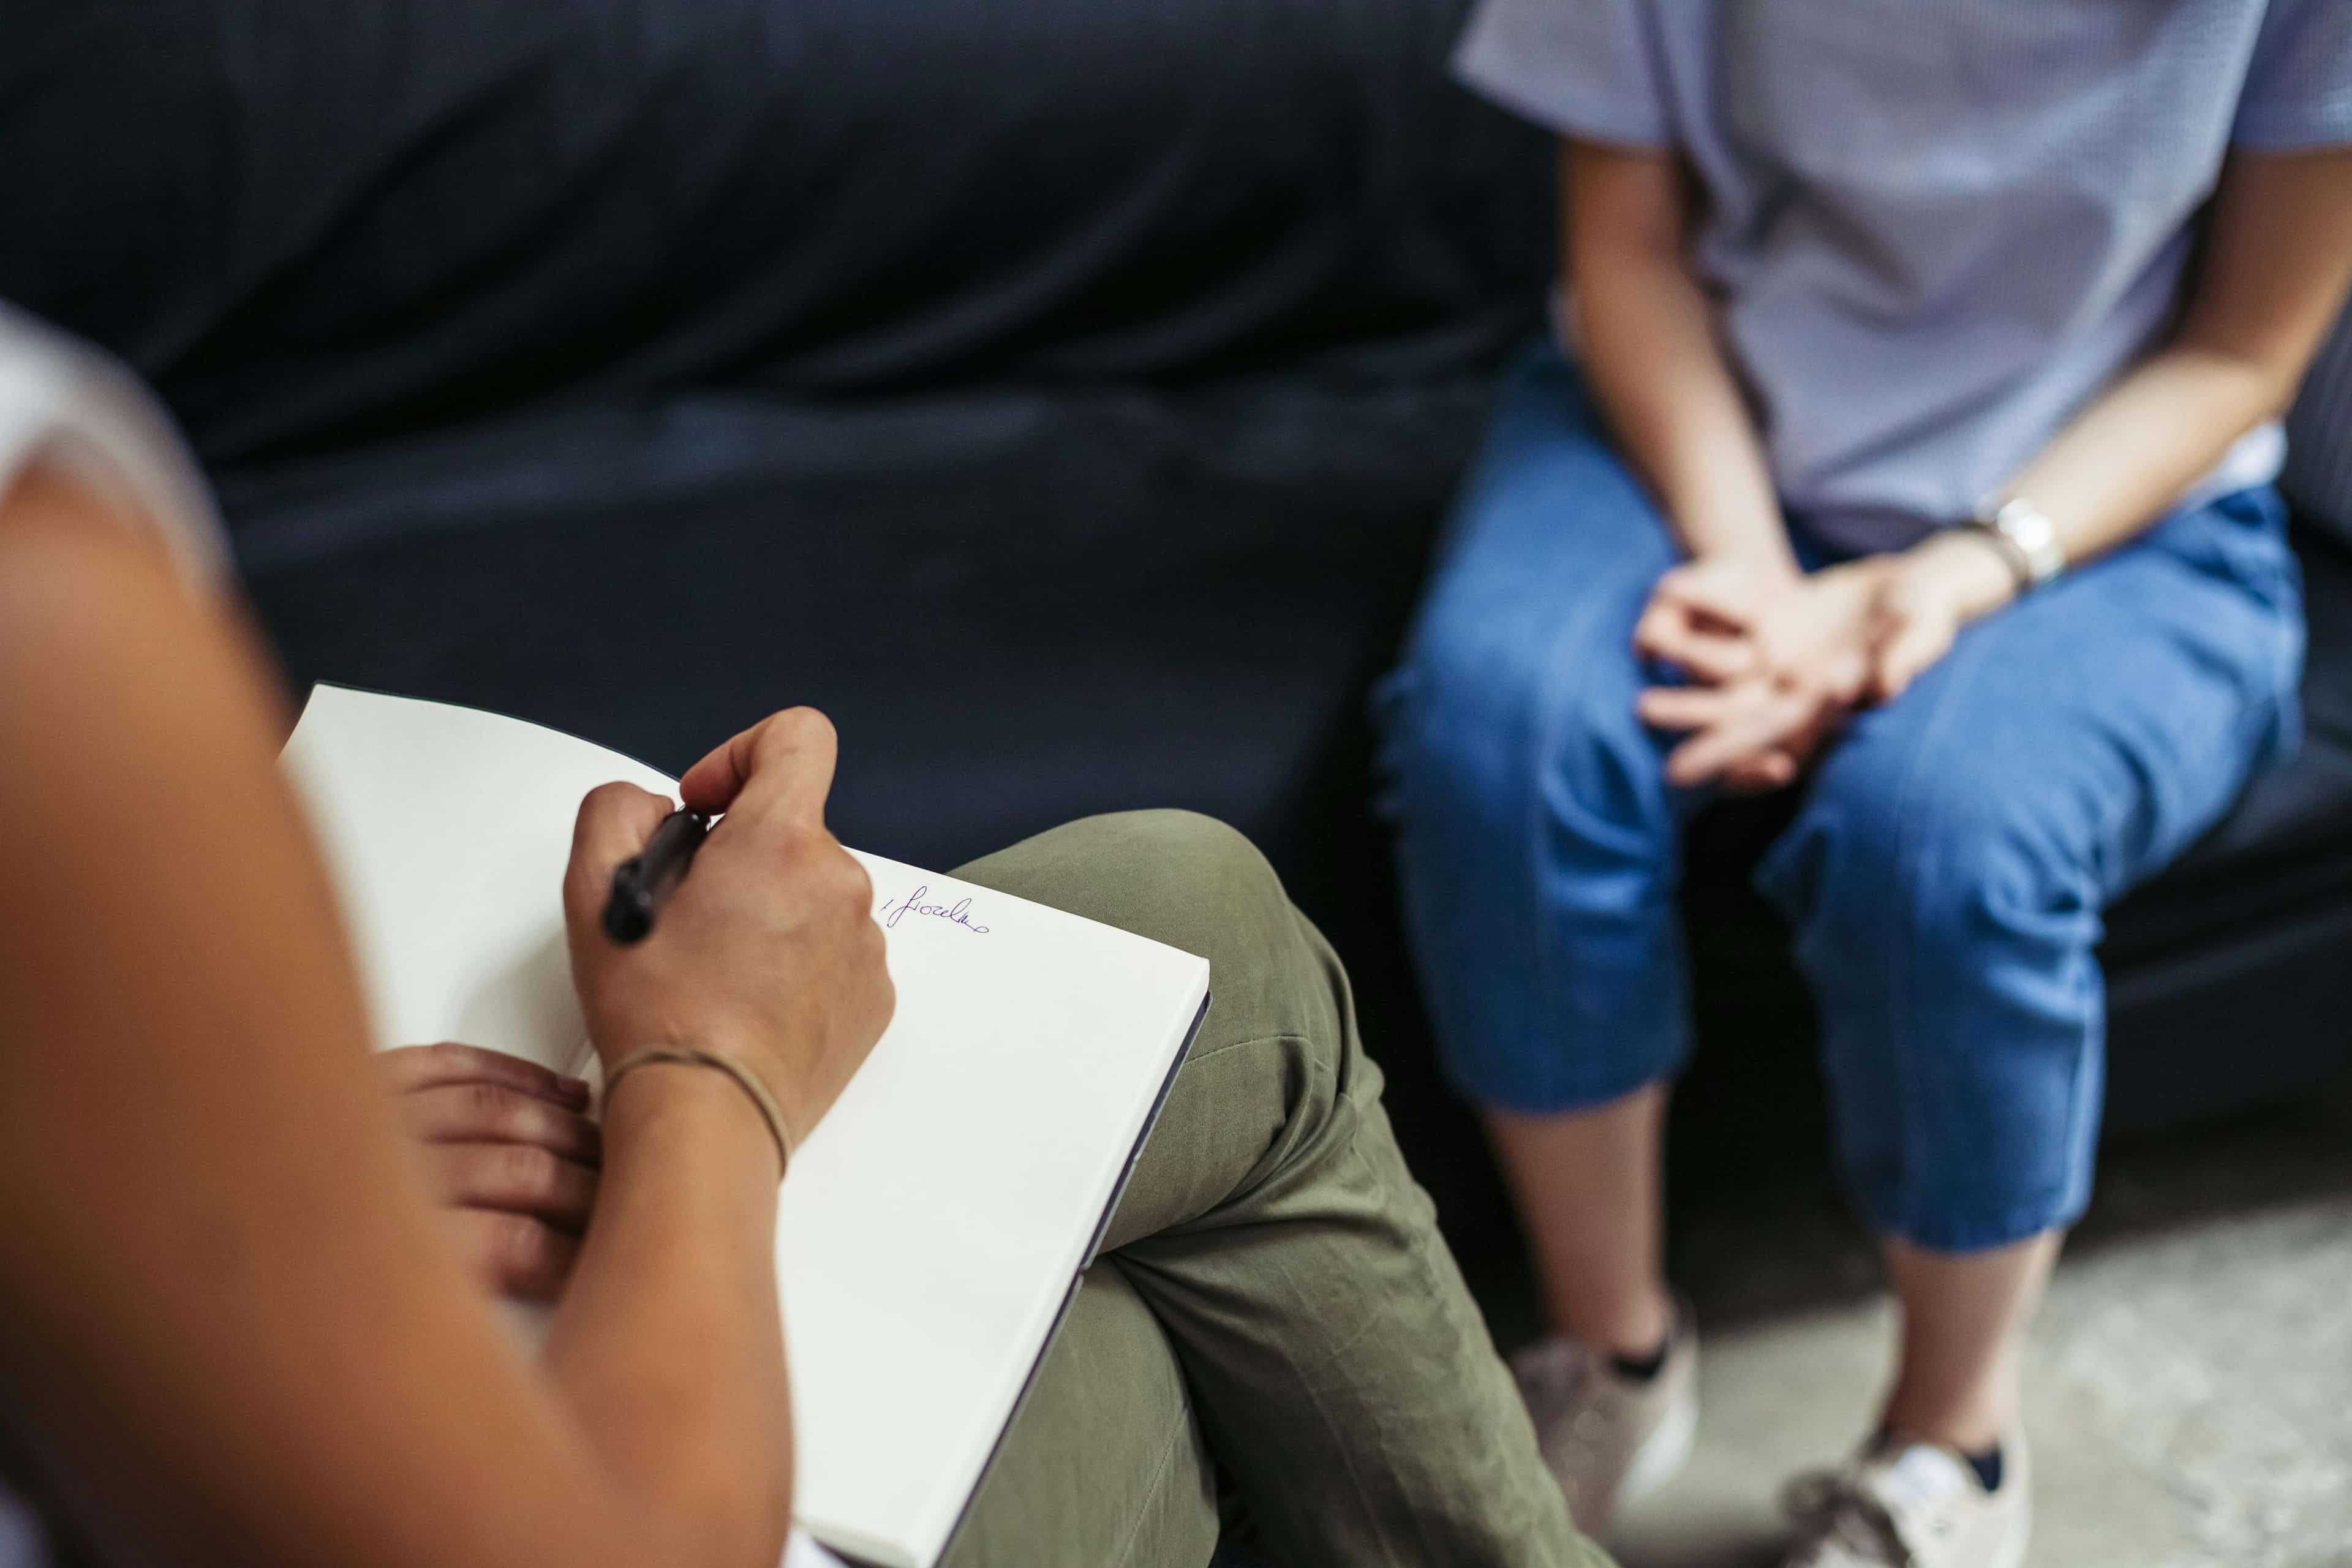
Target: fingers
414 1068
1776 766
511 1152
515 1178
514 1254
1710 752
614 821
494 1113
1697 707
781 766
1770 769
1712 659
1740 723
1666 632
1719 589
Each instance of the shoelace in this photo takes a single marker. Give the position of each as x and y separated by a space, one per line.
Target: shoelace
1832 1509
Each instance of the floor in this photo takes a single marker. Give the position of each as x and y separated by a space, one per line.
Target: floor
2190 1381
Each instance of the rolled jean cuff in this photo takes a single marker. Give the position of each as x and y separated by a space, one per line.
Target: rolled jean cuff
1946 1228
1554 1077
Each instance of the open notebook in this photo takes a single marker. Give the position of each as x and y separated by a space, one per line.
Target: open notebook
934 1226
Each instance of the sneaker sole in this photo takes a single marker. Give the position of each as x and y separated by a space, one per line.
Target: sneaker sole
1664 1453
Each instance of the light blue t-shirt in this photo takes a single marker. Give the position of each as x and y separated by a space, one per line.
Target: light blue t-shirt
1935 231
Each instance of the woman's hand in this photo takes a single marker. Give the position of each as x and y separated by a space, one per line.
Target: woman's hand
768 948
513 1156
1702 615
1929 594
1783 662
1779 660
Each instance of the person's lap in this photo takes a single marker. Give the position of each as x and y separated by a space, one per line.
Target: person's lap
1948 872
1333 1361
1945 870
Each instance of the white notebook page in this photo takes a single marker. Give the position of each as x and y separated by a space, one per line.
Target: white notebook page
931 1227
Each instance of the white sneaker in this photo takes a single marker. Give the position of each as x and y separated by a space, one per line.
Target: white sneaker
1913 1505
1608 1438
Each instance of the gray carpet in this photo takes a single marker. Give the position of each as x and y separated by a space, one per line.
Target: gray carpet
2190 1402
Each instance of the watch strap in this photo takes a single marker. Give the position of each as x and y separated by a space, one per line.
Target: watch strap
2029 539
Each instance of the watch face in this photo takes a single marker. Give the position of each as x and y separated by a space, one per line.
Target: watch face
2030 530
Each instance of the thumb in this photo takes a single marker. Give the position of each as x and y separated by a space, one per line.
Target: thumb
614 821
781 766
1909 645
1721 590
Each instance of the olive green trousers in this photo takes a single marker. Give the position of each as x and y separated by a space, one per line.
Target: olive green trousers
1273 1305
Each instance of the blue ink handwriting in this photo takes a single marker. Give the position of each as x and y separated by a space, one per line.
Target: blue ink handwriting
958 912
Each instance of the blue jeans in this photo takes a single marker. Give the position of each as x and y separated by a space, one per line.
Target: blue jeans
1945 873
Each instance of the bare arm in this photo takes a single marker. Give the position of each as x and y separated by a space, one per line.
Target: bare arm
237 1331
2276 262
2270 280
1647 342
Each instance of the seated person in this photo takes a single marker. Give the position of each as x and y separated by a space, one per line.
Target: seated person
237 1331
1904 458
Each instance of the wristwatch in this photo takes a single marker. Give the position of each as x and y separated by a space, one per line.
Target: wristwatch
2025 537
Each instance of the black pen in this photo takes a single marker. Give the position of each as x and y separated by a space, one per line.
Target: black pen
642 882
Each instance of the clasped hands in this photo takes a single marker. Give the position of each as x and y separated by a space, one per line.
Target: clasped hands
1775 660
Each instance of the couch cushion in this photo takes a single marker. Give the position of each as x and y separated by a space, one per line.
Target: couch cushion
1019 607
308 224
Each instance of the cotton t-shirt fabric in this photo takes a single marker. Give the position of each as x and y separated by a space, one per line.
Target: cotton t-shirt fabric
1935 231
66 403
62 402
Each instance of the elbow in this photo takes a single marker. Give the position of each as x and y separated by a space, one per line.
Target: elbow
2270 387
2283 382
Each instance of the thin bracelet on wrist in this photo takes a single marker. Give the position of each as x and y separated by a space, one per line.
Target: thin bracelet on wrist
745 1079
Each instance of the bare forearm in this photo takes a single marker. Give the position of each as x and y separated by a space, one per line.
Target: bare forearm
2277 261
1647 341
237 1182
666 1341
1651 353
2133 453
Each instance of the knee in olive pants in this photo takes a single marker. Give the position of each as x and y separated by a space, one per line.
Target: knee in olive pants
1335 1363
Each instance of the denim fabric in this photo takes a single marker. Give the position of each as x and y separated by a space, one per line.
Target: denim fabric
1945 871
